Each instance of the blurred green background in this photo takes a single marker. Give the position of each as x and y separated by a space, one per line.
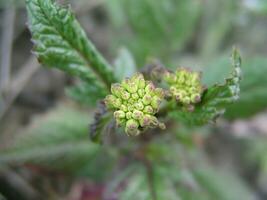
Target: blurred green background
45 150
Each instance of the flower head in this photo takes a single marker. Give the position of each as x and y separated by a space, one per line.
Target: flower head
135 102
185 85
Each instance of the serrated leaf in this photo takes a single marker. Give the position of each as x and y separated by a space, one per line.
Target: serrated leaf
124 64
215 99
253 96
56 141
85 93
61 42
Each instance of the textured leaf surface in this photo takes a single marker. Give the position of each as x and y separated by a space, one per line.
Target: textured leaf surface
86 93
215 99
61 42
59 140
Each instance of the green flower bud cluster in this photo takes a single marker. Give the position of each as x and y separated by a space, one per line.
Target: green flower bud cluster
185 85
135 103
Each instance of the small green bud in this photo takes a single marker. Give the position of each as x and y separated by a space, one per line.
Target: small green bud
149 88
129 115
186 88
148 110
135 101
147 99
135 96
110 101
155 103
124 108
125 95
132 127
130 107
139 106
120 121
119 114
116 89
137 114
141 92
149 121
159 92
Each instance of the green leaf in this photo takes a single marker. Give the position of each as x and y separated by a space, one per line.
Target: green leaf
124 64
253 96
60 42
58 141
86 93
215 99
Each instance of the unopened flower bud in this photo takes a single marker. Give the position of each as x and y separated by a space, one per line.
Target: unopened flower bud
119 114
137 114
148 110
132 127
186 88
135 101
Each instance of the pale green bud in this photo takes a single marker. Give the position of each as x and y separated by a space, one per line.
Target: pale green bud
148 110
141 92
120 121
110 100
125 95
139 106
129 115
116 89
132 127
137 114
119 114
135 96
147 99
124 108
155 103
149 88
159 92
187 88
130 107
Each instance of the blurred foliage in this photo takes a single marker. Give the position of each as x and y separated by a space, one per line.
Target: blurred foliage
2 197
153 29
180 174
58 141
256 154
